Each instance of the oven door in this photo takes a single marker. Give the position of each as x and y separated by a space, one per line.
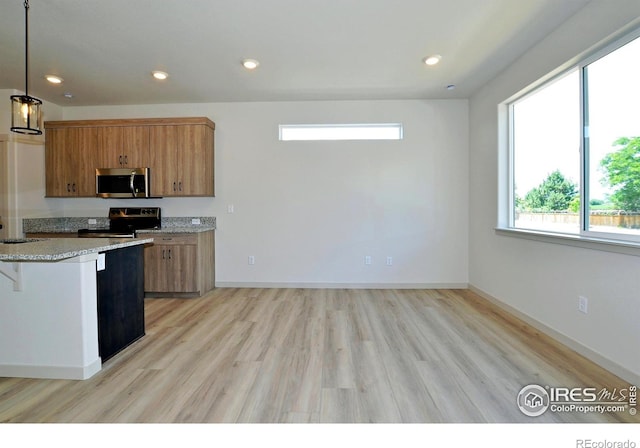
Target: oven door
122 182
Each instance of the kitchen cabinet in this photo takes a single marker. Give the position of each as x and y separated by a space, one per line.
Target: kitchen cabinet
183 160
123 147
178 151
69 155
180 265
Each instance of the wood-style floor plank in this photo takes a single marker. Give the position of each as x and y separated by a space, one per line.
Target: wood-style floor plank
318 355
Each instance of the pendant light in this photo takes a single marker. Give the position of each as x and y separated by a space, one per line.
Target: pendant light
26 111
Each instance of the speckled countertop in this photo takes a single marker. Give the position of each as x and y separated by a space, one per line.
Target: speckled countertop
183 225
56 249
72 225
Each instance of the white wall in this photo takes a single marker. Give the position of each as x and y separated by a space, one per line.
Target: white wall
541 280
310 211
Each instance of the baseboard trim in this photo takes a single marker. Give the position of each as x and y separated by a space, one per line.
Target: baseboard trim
574 345
319 285
51 372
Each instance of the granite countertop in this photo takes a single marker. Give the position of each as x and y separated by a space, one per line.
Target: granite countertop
72 225
56 249
176 229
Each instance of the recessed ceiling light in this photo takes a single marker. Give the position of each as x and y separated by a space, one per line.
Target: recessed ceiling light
160 75
53 79
432 60
250 64
68 95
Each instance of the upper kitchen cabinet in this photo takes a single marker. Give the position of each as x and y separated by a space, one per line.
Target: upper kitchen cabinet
182 158
178 151
123 147
69 152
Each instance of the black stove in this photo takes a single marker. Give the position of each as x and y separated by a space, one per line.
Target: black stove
125 221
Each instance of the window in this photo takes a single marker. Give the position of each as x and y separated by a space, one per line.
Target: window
575 149
612 141
384 131
546 157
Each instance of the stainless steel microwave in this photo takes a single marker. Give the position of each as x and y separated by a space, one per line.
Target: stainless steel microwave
123 183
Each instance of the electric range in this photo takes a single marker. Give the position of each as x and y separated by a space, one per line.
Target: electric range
125 221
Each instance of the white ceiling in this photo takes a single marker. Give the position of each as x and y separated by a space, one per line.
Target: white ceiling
308 49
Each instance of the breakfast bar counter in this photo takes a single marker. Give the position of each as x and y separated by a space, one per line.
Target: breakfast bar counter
56 249
49 303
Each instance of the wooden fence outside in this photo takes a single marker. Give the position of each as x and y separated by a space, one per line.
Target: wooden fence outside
608 219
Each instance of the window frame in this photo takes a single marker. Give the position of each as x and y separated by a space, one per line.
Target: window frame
593 239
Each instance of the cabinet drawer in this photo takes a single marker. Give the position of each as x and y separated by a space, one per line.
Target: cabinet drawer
173 238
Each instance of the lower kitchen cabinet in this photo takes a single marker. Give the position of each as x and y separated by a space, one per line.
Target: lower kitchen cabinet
120 300
179 265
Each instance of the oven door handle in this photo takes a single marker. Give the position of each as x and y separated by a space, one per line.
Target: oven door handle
133 191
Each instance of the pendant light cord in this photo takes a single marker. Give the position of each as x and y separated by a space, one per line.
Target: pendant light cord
26 46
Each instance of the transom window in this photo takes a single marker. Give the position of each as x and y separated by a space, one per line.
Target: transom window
367 131
575 149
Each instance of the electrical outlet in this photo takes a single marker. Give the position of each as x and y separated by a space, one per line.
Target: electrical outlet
230 208
367 259
252 259
583 304
93 221
195 221
389 261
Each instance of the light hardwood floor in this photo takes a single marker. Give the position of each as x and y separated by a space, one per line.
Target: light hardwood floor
317 355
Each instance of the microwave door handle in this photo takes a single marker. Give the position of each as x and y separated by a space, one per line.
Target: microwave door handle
133 191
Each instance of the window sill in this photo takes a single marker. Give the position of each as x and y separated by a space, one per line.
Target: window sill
607 245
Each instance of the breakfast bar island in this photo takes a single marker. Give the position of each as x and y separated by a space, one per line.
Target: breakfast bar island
67 304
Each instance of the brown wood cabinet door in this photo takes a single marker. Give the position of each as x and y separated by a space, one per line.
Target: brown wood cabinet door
123 147
183 261
182 160
164 162
195 161
85 154
135 142
70 162
58 163
153 268
170 268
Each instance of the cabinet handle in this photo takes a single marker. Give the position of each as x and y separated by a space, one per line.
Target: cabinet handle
163 254
180 186
169 254
174 186
68 188
73 188
120 160
126 160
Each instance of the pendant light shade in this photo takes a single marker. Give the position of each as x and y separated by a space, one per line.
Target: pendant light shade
26 114
26 111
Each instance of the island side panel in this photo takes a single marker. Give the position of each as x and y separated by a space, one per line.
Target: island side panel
50 328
